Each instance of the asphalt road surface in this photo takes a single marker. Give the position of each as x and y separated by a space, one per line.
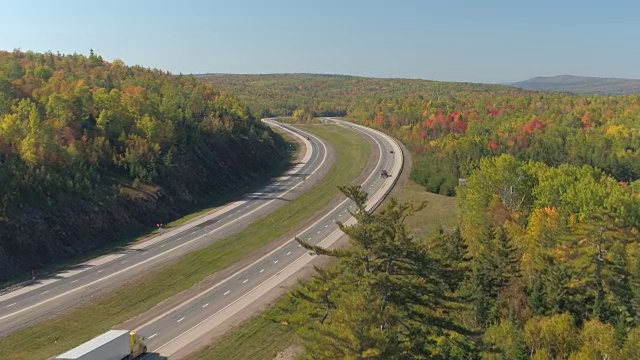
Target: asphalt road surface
47 296
187 322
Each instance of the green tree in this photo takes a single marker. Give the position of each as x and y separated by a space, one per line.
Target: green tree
555 335
303 115
506 342
495 266
387 281
598 342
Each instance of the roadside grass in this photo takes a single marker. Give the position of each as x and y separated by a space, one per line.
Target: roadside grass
140 233
260 338
440 210
135 297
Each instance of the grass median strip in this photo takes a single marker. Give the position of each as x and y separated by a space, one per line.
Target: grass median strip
68 330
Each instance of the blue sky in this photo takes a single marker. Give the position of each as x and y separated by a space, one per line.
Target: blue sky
478 41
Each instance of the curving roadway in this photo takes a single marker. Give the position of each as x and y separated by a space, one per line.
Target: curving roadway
61 291
182 326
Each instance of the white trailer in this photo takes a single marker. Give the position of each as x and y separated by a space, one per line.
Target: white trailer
112 345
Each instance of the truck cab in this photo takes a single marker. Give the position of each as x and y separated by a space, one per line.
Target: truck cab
137 344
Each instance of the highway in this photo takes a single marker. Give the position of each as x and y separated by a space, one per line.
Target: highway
50 295
177 328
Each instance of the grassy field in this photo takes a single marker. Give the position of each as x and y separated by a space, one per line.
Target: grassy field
262 339
440 210
68 330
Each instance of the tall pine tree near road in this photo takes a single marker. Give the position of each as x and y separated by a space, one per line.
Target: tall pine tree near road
387 298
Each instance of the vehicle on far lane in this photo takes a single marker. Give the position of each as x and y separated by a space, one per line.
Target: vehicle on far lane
112 345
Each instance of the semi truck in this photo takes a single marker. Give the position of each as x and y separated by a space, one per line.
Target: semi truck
112 345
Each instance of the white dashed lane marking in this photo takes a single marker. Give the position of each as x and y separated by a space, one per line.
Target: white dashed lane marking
289 253
152 336
100 270
225 294
44 292
74 281
182 318
262 270
275 262
205 305
10 305
245 281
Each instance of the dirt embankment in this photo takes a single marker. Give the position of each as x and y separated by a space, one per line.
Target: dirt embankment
77 225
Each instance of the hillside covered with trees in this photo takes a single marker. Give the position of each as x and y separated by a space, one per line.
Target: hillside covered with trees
450 134
544 266
549 214
90 150
331 95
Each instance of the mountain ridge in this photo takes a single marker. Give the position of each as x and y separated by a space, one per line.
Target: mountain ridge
582 84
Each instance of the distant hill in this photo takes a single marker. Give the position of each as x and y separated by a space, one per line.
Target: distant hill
332 95
582 84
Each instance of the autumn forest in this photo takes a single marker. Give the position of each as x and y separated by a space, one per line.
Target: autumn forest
544 262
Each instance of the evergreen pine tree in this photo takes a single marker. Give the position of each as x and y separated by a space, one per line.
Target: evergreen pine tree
388 297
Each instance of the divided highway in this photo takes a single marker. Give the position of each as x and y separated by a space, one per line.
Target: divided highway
60 291
187 322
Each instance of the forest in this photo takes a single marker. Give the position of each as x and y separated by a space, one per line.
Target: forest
331 95
544 265
545 261
549 215
451 134
91 150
